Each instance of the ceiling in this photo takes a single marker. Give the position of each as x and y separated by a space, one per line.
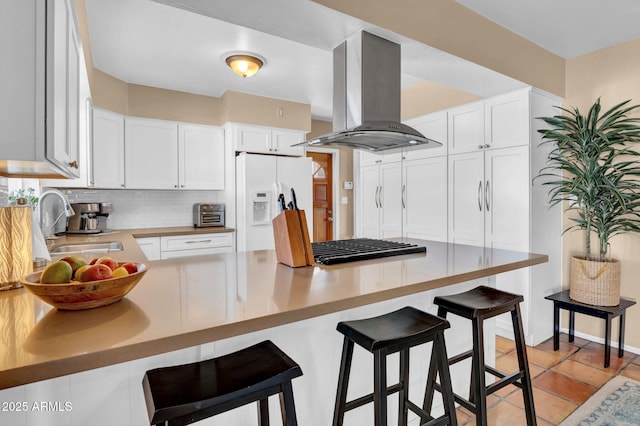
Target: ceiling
181 45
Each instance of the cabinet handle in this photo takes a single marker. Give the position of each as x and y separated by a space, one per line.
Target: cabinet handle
198 242
480 146
404 188
181 186
175 186
480 196
487 194
73 164
375 198
380 196
487 145
122 185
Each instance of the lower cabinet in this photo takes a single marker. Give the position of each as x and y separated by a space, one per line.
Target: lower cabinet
171 247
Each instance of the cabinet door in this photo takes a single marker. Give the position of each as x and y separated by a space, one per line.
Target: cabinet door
201 153
507 120
62 88
506 193
150 246
151 150
107 149
424 198
390 198
369 190
466 128
253 139
466 198
432 126
367 158
281 141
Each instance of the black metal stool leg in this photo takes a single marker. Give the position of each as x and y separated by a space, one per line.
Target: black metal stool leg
480 390
403 395
343 382
263 412
523 362
380 388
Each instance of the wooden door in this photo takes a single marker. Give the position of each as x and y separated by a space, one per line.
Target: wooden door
322 196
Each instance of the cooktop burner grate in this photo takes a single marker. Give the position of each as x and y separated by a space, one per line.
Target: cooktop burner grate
342 251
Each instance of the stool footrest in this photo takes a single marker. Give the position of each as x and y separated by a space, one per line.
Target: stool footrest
461 357
358 402
424 416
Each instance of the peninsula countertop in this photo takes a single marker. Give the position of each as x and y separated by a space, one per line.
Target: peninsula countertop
190 301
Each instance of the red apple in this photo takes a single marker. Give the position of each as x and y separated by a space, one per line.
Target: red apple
130 267
106 260
93 261
95 272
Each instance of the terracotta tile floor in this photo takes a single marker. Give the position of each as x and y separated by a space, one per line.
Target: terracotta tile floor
562 380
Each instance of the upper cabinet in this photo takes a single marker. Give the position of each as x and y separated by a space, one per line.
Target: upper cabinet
107 147
40 90
266 140
434 127
466 128
161 154
200 157
506 119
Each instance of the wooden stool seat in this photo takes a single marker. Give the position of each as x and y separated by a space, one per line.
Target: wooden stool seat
188 393
477 305
396 331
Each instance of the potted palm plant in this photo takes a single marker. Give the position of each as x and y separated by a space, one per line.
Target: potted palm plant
593 168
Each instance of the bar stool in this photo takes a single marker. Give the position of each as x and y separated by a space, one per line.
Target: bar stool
477 305
397 331
184 394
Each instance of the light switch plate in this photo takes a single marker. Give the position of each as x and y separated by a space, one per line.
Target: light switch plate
348 185
345 200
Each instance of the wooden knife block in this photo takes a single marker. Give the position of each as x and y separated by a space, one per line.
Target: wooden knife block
293 246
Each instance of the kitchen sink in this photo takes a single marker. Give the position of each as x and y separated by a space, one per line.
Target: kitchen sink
102 246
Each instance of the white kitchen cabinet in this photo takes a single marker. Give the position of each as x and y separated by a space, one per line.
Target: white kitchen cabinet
380 201
174 246
465 128
150 246
424 198
195 245
40 90
266 140
368 158
107 147
507 120
432 126
201 157
163 154
151 153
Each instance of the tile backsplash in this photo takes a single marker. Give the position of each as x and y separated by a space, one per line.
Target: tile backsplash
145 208
4 191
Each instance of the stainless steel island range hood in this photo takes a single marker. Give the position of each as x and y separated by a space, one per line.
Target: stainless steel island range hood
366 99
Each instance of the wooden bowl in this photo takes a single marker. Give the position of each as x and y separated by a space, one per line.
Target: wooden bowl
77 295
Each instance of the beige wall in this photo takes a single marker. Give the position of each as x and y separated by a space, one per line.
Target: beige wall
244 108
426 97
612 75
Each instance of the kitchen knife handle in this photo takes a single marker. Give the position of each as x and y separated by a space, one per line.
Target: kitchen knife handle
480 195
294 199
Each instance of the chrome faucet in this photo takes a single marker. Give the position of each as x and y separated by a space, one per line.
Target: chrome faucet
68 210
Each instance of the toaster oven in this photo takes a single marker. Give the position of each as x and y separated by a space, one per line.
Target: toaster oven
208 214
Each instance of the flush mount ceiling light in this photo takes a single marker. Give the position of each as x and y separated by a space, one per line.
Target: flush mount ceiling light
244 64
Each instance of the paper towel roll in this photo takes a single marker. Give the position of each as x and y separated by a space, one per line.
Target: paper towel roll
39 245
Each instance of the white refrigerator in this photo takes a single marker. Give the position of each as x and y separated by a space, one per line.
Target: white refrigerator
259 181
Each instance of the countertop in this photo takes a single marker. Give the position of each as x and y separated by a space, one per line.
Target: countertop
190 301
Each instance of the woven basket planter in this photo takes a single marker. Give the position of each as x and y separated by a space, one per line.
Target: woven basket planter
594 282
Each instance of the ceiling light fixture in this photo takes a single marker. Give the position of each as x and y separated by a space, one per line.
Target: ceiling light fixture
244 64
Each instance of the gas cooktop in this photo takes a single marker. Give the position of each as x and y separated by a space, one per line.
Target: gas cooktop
342 251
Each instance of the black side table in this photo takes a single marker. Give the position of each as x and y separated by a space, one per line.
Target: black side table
562 301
